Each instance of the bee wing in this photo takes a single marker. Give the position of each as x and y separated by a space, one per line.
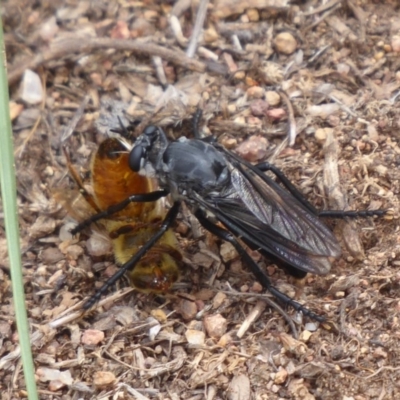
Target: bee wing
73 202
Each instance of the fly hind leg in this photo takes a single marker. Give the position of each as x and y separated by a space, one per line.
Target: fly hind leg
266 166
255 268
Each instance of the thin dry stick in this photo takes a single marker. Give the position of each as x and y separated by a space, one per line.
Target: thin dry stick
337 199
157 62
20 149
322 8
292 121
198 26
76 312
68 131
270 302
79 44
253 316
322 18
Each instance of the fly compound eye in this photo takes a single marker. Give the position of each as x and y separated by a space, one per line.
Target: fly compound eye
135 158
150 131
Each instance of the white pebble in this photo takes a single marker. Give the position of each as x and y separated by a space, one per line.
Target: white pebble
31 88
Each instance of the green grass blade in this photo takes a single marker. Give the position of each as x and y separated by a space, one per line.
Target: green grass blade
8 193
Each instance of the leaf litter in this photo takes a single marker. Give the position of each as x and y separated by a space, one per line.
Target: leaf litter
312 86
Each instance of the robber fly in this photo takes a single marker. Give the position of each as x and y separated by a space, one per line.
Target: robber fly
219 186
112 181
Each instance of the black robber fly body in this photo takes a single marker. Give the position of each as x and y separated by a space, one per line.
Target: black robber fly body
219 186
248 202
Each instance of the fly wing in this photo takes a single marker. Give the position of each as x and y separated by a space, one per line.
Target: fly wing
269 217
274 206
236 216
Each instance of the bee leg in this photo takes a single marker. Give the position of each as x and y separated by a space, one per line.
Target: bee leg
136 198
255 268
266 166
130 265
78 180
126 131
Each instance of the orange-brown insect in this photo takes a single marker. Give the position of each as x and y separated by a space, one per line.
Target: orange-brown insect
113 181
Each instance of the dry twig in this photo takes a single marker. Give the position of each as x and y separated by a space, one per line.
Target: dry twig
79 44
198 26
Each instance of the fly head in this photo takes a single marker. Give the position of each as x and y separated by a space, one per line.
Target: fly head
147 152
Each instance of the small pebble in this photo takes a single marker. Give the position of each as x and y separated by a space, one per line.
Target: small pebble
187 309
273 98
259 107
311 326
255 92
244 288
225 340
229 143
59 378
215 325
343 68
280 377
372 132
103 378
239 75
120 31
276 113
210 35
387 48
195 337
253 149
231 108
322 110
321 134
51 255
218 300
228 252
92 337
395 43
15 109
49 29
285 43
253 15
154 331
305 336
74 251
31 90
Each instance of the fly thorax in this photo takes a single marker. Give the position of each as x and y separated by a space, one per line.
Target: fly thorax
194 165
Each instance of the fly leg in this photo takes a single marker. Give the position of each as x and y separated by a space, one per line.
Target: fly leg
136 198
351 214
129 265
266 166
255 268
195 128
196 122
126 131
